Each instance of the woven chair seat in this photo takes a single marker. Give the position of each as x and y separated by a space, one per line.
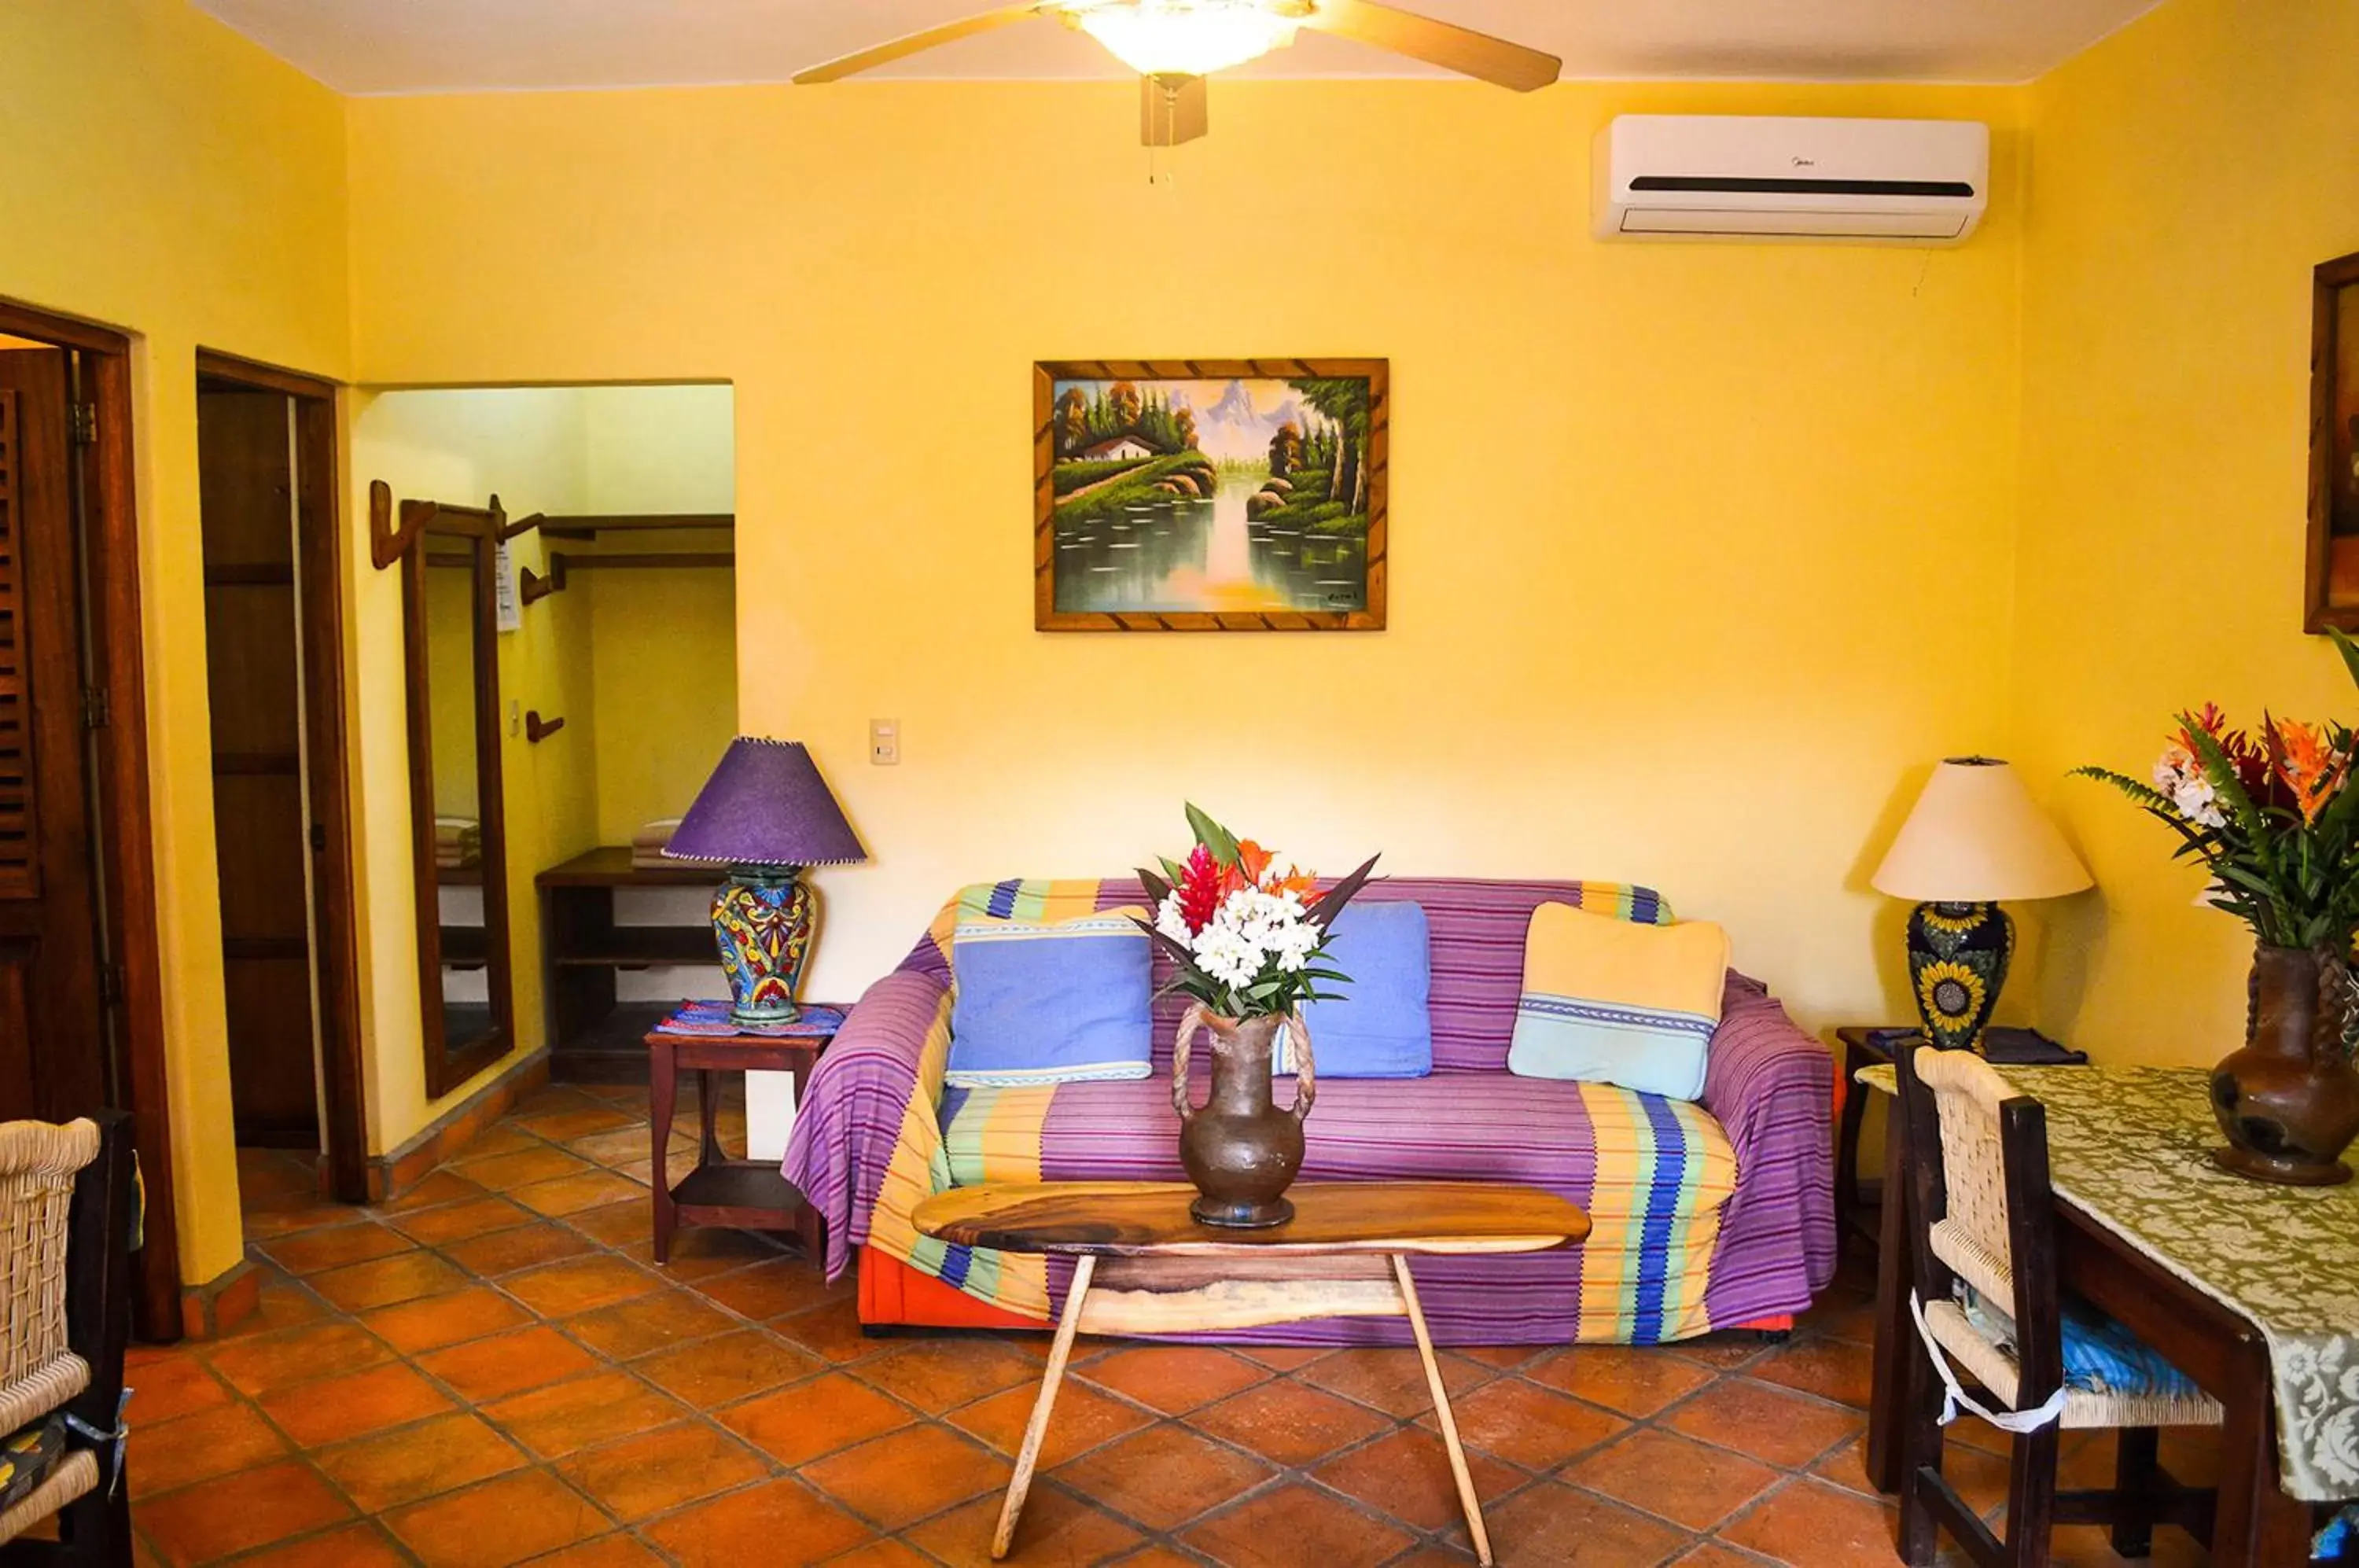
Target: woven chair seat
76 1473
1993 1367
28 1398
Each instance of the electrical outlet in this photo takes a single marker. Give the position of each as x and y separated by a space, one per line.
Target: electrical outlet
885 741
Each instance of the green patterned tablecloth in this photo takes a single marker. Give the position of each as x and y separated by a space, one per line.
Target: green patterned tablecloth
2130 1148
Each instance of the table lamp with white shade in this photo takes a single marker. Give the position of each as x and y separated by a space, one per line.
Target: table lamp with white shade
1973 838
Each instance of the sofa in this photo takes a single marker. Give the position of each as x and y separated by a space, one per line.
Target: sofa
1711 1215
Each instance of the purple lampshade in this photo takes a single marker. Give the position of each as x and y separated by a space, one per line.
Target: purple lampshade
766 805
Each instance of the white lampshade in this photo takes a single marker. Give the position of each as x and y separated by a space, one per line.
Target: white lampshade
1974 837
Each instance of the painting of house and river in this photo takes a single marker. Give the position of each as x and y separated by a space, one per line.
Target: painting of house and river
1211 495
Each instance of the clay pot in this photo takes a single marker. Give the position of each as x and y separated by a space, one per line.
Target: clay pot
2289 1100
1242 1150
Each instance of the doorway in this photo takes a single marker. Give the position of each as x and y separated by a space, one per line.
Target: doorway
82 1010
274 642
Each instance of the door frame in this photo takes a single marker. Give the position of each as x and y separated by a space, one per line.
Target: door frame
106 467
320 570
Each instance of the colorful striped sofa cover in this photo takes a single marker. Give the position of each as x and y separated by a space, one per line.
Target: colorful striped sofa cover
1707 1216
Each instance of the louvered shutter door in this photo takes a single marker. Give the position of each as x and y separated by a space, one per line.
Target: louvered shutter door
20 869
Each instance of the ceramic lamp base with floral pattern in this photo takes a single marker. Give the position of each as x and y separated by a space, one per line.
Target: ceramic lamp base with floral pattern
1957 962
764 918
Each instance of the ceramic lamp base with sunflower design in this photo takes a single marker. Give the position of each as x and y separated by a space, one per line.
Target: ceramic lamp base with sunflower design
1957 962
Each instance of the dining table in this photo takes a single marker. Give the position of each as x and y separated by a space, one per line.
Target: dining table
2250 1288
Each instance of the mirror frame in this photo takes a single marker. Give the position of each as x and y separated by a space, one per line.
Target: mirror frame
447 1069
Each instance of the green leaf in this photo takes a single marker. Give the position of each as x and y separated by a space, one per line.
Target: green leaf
2221 770
2350 651
1173 869
1213 836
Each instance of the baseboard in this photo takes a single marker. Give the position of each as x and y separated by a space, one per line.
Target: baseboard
390 1175
212 1309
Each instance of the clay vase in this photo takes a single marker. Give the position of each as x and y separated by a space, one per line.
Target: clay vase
1242 1150
2289 1100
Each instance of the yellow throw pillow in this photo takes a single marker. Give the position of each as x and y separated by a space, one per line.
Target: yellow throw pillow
1610 1001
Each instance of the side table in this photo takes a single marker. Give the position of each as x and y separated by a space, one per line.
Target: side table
1860 1050
754 1195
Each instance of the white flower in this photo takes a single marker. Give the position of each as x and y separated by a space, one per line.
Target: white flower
1222 954
1253 930
2178 774
1172 922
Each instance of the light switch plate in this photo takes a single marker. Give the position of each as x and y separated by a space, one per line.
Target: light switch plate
885 741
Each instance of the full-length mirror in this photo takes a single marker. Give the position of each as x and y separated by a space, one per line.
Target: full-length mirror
449 588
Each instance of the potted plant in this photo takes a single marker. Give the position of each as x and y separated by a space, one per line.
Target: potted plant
2273 815
1248 938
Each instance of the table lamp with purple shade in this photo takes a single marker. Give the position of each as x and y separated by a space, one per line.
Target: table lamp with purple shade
765 814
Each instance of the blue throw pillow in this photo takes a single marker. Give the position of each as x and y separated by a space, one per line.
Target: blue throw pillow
1380 1029
1049 1001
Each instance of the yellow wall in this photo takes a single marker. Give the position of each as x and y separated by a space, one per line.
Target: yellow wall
2186 175
666 655
163 175
1685 537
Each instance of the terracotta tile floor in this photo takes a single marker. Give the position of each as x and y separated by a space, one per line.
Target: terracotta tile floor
490 1371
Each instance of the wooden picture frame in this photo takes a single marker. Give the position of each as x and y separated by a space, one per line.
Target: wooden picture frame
2331 583
1127 431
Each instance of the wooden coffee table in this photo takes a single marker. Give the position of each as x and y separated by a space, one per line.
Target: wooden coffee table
1141 1265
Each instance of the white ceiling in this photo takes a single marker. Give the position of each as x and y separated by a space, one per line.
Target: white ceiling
443 46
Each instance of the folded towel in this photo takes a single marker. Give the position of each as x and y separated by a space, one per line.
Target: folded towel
646 844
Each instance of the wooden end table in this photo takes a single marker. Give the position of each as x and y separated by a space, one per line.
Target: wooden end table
754 1195
1860 1050
1142 1265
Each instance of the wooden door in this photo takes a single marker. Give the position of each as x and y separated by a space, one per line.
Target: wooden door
246 482
52 1010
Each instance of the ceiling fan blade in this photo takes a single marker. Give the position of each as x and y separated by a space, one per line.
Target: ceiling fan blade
915 43
1172 110
1453 48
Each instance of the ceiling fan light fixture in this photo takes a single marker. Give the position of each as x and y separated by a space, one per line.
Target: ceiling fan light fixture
1187 38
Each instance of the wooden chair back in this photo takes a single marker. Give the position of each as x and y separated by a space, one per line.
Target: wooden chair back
1979 1204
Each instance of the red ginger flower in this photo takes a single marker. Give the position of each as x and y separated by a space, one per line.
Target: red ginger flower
1199 889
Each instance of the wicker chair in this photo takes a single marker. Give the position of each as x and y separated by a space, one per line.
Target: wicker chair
65 1316
1981 1212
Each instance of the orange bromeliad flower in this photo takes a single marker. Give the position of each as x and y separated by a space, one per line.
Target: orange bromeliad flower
2310 765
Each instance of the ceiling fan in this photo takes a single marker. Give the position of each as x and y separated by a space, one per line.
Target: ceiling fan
1175 44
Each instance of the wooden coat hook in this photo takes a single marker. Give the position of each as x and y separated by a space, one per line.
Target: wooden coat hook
537 729
532 587
390 540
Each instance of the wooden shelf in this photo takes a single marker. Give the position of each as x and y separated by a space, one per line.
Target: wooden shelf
609 865
738 1185
595 1037
590 526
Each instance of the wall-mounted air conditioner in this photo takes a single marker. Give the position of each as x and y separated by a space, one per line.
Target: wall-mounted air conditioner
1762 177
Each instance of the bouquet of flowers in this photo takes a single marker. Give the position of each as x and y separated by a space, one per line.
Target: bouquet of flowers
1249 935
2271 814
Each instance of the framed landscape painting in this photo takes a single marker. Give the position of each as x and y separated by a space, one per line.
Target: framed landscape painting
2334 574
1208 495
